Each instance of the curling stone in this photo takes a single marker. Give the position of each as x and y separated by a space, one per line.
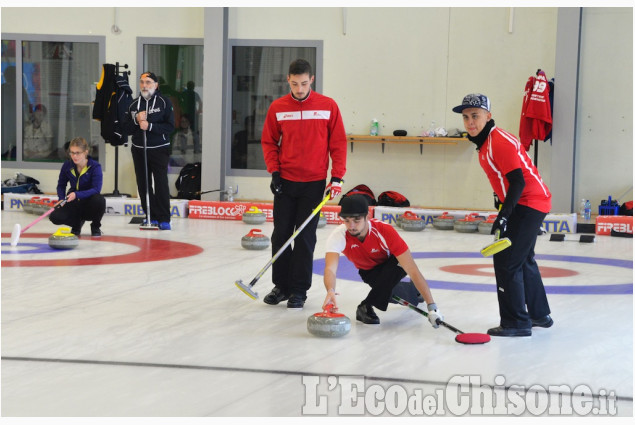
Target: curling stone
28 205
469 224
485 226
38 207
443 222
43 205
254 216
411 222
63 239
328 323
255 240
322 221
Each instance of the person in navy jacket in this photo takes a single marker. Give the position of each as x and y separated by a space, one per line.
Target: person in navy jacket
84 202
151 115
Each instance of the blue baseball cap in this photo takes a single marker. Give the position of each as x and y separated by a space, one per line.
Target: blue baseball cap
474 100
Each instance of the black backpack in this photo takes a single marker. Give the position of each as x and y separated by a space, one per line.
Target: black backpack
189 181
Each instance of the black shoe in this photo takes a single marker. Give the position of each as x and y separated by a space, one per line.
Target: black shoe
77 230
545 322
501 331
95 231
366 314
275 296
296 301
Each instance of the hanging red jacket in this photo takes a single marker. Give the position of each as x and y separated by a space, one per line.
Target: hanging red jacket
535 118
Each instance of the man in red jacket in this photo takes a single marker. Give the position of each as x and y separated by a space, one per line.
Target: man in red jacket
302 130
526 200
382 258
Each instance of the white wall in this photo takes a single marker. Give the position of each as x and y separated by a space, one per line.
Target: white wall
406 67
604 145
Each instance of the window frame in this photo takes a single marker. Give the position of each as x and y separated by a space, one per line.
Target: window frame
172 41
231 43
60 38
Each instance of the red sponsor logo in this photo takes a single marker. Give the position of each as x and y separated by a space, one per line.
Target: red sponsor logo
622 224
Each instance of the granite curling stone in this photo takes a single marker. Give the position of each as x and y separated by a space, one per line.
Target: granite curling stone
328 323
469 224
27 207
254 216
41 206
255 240
485 227
321 221
443 222
411 222
63 239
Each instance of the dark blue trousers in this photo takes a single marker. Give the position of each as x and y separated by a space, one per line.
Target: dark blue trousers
521 293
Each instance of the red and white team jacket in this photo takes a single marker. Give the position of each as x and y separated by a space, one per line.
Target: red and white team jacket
535 118
299 136
502 153
381 241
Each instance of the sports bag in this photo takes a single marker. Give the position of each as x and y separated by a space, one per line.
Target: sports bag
361 189
189 181
392 199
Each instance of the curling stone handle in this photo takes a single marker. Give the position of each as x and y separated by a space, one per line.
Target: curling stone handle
329 308
253 232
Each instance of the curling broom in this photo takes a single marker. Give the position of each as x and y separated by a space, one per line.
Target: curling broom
497 246
248 289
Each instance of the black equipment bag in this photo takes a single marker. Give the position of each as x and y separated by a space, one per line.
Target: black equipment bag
189 181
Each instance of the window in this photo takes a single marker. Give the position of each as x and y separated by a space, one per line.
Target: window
178 63
47 93
258 77
9 92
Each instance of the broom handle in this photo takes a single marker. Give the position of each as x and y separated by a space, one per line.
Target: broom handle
46 214
288 242
418 310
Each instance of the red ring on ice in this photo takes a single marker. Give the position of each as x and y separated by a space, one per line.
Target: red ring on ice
488 270
150 249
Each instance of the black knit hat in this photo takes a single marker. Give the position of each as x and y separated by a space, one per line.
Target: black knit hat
354 205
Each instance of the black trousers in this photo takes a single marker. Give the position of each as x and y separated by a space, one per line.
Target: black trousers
382 279
292 272
73 213
521 292
159 192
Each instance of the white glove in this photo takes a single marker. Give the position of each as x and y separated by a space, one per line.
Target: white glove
434 315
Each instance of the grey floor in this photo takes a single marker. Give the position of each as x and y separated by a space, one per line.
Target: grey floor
150 324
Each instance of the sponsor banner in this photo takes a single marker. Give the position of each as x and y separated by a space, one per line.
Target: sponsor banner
619 223
222 210
132 207
114 205
560 223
